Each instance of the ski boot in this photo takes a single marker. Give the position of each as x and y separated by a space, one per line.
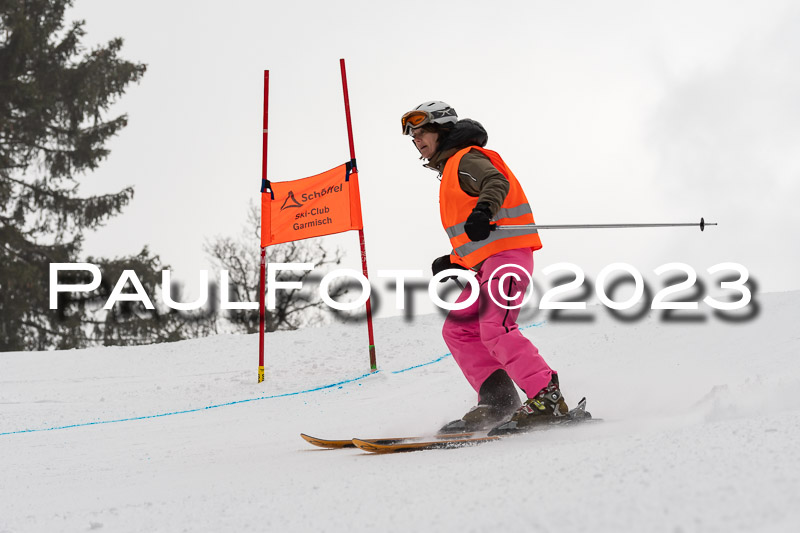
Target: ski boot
479 418
498 399
548 406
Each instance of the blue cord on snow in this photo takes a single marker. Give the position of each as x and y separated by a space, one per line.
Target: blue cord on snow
247 400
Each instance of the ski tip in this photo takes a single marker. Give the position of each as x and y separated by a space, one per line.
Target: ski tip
368 446
327 443
308 438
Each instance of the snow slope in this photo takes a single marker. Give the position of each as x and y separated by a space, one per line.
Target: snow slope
701 433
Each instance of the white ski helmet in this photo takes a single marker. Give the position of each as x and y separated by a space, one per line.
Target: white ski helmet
433 111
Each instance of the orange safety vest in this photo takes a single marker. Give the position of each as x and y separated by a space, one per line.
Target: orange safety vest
455 206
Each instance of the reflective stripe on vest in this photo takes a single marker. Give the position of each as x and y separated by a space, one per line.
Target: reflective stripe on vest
514 212
456 206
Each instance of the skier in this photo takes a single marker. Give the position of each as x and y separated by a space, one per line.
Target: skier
478 191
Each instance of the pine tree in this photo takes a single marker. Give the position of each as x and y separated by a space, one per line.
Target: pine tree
54 99
129 322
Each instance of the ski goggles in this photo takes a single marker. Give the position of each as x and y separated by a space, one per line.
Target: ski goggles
415 119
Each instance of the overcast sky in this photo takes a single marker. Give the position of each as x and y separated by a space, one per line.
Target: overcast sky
614 111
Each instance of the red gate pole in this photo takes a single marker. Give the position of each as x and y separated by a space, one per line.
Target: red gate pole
262 282
373 365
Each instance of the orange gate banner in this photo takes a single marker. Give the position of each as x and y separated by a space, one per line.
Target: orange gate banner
319 205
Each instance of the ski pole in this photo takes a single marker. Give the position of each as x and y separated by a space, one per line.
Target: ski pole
702 225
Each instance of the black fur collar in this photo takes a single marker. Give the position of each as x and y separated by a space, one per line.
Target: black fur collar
466 132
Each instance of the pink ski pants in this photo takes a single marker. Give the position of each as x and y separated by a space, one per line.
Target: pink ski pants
484 337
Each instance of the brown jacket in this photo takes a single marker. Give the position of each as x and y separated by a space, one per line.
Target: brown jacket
476 175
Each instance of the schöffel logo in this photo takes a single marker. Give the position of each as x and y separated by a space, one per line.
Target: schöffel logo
307 197
290 201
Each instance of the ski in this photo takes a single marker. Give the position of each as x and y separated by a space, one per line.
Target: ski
444 441
337 444
329 444
411 445
578 415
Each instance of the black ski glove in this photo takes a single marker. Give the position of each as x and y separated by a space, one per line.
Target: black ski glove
478 225
443 263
